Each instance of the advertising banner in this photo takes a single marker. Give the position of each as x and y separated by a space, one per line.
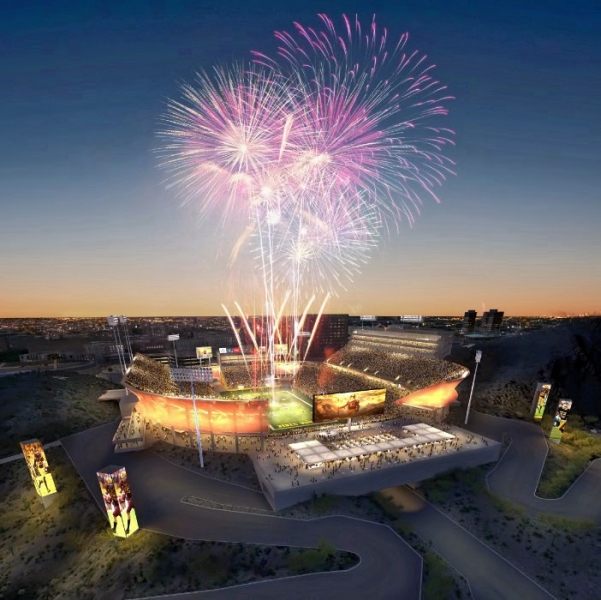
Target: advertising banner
35 457
118 500
216 416
540 400
348 405
204 352
560 420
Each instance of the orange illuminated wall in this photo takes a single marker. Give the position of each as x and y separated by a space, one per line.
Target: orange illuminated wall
216 416
434 396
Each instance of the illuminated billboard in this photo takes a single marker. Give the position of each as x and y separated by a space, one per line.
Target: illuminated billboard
560 420
35 457
118 500
348 405
204 352
216 416
540 400
280 348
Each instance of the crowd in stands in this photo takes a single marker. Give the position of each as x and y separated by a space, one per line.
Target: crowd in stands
410 371
402 345
151 376
148 375
202 389
317 378
236 375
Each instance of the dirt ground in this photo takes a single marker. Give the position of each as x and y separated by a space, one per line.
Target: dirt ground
67 550
49 406
562 554
226 466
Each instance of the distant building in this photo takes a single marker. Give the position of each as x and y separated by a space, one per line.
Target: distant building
57 356
331 334
492 320
469 321
414 319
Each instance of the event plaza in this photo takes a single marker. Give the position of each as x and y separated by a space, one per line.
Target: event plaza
371 456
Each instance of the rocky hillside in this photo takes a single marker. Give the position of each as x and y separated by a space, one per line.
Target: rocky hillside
568 356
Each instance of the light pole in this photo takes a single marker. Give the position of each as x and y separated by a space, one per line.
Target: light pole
178 374
123 321
113 322
469 403
173 338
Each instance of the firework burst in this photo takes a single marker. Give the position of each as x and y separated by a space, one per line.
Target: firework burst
316 150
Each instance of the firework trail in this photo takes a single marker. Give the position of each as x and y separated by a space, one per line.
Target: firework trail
315 151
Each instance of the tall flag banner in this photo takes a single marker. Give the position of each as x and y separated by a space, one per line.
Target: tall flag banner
541 395
560 420
118 500
35 457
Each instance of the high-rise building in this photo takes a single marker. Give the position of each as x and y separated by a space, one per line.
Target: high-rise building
469 321
492 320
330 336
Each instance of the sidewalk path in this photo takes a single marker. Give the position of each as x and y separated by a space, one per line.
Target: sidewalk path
389 568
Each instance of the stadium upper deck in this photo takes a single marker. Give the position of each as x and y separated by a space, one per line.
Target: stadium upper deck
412 372
406 341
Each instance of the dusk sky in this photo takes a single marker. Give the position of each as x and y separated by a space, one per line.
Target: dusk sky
89 228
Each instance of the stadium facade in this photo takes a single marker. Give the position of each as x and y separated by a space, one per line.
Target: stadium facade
370 391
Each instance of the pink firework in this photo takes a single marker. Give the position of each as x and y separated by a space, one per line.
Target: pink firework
365 113
316 149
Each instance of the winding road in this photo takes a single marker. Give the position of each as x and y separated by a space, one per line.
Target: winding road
388 567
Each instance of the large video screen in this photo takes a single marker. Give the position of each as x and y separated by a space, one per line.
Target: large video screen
204 352
217 416
540 400
348 405
35 457
118 500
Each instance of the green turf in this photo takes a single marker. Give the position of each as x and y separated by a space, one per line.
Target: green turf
288 411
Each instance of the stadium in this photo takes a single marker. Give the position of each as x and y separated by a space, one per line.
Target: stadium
229 402
370 416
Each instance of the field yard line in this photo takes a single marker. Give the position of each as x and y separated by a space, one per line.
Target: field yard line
303 401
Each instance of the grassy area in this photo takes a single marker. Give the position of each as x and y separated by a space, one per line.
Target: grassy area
67 550
50 406
439 580
289 411
566 461
565 524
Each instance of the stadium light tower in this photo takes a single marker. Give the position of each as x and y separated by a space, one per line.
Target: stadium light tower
113 322
173 338
123 321
469 403
184 374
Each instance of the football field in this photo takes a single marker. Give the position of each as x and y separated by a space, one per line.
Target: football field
289 410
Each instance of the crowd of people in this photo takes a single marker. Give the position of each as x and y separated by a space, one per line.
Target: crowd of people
236 375
202 389
410 371
315 378
151 376
279 459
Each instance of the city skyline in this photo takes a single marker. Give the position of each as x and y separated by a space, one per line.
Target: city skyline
88 224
